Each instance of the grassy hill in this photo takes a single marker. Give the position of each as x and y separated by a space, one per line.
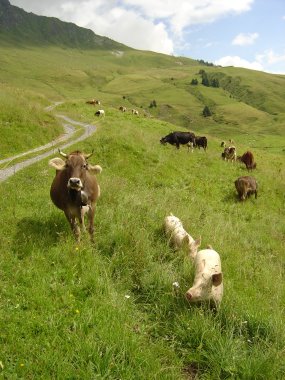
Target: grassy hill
108 310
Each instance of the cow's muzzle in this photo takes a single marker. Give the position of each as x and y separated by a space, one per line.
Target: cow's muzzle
74 183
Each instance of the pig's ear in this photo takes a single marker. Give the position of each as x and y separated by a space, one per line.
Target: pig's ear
217 279
186 240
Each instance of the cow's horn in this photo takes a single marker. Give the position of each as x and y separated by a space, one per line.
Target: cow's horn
88 155
62 154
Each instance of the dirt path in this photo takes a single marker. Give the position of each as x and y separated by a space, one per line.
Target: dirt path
69 130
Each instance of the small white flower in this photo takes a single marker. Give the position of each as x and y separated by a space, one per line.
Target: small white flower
127 296
176 285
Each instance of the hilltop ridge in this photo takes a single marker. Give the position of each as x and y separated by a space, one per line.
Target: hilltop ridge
20 26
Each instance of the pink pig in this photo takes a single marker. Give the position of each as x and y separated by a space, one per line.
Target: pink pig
208 281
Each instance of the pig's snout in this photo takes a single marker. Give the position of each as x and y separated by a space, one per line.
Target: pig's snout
189 296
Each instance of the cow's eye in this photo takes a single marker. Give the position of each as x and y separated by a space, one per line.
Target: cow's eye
84 166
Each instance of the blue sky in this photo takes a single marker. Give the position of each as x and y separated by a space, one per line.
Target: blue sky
242 33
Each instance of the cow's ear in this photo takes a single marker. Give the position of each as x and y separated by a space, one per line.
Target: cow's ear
57 163
217 279
94 169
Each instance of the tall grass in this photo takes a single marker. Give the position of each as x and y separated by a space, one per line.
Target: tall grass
109 311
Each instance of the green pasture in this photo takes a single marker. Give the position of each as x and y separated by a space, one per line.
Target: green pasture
108 310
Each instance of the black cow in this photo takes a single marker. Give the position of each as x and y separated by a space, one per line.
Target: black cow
177 138
201 142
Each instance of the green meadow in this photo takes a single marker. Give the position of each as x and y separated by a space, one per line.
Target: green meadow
108 310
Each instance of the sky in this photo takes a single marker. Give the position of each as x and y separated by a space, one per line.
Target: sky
241 33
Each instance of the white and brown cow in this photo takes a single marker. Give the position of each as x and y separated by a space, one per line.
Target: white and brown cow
100 113
123 109
208 281
229 153
75 189
135 112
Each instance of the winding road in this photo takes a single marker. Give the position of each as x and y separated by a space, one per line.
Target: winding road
69 130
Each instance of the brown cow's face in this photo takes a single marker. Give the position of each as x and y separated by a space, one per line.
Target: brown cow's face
76 167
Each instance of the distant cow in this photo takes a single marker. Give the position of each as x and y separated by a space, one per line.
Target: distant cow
179 237
248 159
123 109
75 189
246 186
229 153
177 138
208 281
135 112
100 113
223 144
93 101
201 142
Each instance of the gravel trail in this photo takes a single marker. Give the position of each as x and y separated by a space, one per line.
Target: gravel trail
69 130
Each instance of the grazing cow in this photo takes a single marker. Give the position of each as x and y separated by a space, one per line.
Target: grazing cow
135 112
229 153
248 159
177 138
178 237
208 281
123 109
246 186
100 113
201 142
75 189
93 101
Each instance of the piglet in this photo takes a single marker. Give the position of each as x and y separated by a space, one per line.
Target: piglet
208 281
179 238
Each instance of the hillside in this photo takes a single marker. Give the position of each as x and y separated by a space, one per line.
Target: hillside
109 310
21 27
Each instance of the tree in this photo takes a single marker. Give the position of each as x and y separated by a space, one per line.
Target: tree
206 111
152 104
205 80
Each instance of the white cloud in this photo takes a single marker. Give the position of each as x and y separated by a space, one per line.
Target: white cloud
270 57
245 39
143 24
239 62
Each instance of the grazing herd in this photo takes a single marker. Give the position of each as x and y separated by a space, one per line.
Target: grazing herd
245 185
75 191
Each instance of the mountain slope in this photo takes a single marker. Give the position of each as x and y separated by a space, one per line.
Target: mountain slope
23 27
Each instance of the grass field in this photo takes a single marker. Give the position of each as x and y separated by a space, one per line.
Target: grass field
109 310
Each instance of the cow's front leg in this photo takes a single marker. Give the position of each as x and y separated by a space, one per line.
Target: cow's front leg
74 226
91 214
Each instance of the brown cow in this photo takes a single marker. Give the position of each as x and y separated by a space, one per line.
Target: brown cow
248 159
246 186
75 189
93 101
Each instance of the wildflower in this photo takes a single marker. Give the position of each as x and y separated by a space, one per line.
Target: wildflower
77 311
76 248
127 296
175 285
22 365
